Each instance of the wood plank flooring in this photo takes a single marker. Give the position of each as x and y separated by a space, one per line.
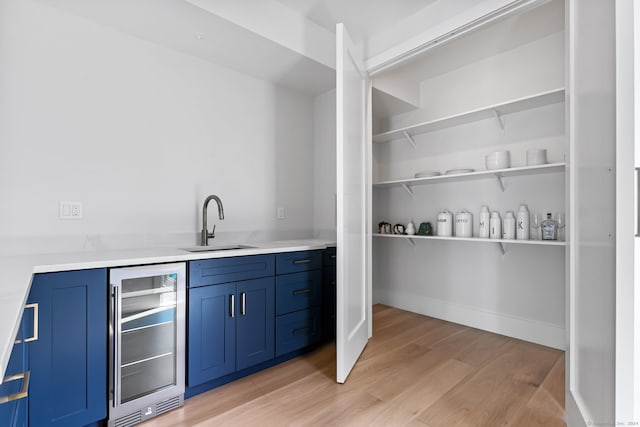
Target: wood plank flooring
416 371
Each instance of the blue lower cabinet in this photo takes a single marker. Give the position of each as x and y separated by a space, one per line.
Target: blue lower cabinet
231 327
297 330
14 389
212 333
256 326
68 361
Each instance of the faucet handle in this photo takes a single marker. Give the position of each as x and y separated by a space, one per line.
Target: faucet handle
213 232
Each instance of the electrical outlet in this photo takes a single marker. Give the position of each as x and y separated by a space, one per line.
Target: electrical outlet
70 210
281 213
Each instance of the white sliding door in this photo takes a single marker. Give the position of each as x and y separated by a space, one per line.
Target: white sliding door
353 312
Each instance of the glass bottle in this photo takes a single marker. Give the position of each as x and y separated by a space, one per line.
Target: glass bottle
549 228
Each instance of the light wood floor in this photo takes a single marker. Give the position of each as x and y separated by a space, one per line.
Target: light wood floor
415 371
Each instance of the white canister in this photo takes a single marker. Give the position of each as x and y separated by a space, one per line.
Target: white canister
495 226
483 225
509 226
445 224
464 224
522 223
536 156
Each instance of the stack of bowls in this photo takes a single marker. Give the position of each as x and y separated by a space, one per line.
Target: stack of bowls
497 160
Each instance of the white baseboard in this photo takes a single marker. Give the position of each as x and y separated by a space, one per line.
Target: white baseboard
573 415
511 326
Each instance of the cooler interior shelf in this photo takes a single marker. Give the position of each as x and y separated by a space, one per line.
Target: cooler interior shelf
496 111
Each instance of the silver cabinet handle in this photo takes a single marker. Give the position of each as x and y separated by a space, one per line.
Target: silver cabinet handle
232 303
301 291
637 196
301 330
22 393
35 335
333 257
243 303
302 261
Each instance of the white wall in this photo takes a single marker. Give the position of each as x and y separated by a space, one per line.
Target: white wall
520 294
141 135
324 165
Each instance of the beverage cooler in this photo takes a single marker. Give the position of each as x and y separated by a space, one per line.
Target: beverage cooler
147 342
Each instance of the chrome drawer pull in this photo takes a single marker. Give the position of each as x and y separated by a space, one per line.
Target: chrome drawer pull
243 304
22 393
333 257
34 337
301 291
301 330
302 261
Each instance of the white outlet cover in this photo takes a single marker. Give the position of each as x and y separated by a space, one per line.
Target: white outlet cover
70 210
281 213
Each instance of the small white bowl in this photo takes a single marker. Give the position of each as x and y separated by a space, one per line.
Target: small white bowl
536 156
498 160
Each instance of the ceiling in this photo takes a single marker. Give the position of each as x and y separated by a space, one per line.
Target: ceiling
363 18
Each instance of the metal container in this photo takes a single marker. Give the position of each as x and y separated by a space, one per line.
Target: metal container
464 224
445 224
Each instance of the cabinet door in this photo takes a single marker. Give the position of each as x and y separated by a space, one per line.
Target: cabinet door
14 389
353 230
212 333
69 360
256 324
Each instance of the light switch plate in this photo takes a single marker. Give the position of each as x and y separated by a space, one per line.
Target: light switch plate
70 210
281 213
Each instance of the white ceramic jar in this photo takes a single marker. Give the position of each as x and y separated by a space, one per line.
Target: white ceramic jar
483 225
411 228
509 226
464 224
495 226
445 224
522 223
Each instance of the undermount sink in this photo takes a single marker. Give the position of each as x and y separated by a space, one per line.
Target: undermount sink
215 248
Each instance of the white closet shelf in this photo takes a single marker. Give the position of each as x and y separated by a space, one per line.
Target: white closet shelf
476 239
471 176
497 110
500 242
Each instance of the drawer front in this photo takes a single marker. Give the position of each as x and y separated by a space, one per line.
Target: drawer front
297 330
225 270
294 262
298 291
329 257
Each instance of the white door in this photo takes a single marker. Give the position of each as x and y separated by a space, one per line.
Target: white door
627 350
353 312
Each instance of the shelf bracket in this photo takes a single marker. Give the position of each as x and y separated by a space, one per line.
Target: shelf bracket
409 138
501 248
411 242
500 179
498 118
409 190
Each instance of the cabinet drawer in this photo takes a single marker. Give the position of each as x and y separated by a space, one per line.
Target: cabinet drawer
225 270
297 330
14 389
329 257
294 262
298 291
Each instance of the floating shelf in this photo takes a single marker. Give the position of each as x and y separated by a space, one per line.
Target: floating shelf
499 242
498 174
493 111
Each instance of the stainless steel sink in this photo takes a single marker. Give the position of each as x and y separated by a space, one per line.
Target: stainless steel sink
215 248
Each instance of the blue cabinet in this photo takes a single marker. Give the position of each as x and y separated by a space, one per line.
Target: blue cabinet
329 293
298 300
231 325
68 361
15 388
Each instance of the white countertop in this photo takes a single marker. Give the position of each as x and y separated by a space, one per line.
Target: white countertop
18 272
